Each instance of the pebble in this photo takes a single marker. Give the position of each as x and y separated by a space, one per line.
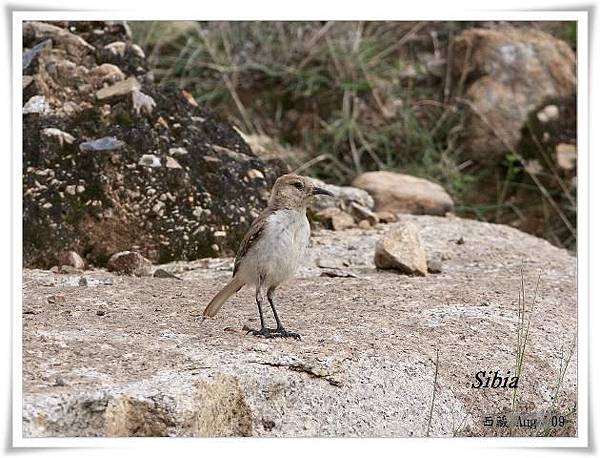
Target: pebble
254 174
37 104
138 51
149 160
62 137
172 163
119 89
142 103
117 48
102 144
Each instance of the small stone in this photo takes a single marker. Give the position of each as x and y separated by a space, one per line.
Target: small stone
102 144
178 151
47 205
117 48
83 281
387 217
119 89
364 224
172 163
189 98
157 208
162 273
335 219
402 249
142 103
62 137
548 113
434 265
149 160
57 298
138 51
80 188
253 174
566 156
460 241
107 73
59 381
71 258
220 234
100 313
363 213
71 190
37 104
129 263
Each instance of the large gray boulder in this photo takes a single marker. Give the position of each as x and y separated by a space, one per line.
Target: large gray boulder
126 356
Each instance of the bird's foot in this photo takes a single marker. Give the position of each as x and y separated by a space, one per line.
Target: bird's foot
281 332
268 333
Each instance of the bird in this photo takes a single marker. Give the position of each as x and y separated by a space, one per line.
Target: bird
272 249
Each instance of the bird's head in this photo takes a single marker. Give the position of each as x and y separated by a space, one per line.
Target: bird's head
294 191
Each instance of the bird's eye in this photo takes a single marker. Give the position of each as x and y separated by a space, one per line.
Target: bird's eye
298 185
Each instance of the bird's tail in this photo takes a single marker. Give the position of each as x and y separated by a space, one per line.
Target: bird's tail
234 285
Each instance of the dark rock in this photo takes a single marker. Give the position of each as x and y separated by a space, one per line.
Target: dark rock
129 263
32 53
162 273
208 189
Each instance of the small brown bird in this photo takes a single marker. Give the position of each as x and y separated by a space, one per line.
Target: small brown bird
272 249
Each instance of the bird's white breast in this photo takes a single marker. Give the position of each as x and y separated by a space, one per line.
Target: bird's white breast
281 247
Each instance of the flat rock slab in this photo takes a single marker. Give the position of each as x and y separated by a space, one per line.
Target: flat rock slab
129 356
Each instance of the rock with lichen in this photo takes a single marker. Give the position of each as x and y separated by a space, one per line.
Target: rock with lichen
113 162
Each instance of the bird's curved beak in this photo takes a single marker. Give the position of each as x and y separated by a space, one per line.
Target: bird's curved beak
325 192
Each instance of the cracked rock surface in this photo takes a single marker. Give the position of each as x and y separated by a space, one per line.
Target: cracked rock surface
126 356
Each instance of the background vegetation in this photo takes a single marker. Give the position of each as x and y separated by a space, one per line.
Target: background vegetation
348 97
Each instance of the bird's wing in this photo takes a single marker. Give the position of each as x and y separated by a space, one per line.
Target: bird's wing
252 236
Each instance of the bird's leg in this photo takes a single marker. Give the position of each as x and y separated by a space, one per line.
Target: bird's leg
263 330
280 331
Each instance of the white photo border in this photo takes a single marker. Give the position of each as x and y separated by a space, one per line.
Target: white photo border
581 17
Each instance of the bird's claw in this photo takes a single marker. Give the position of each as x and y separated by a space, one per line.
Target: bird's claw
268 333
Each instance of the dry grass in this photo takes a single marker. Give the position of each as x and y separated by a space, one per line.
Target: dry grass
359 96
